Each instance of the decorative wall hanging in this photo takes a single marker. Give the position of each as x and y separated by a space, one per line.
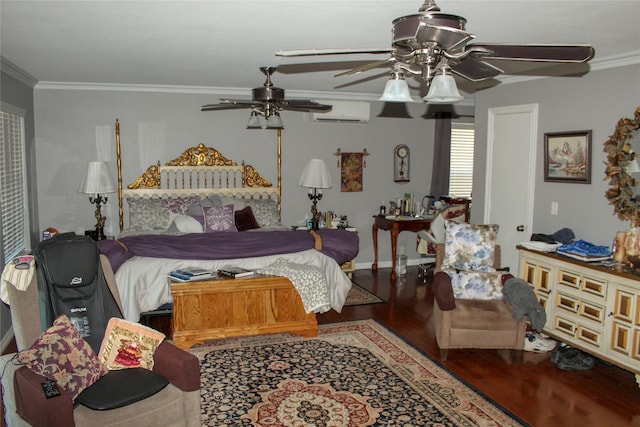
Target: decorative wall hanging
567 157
351 170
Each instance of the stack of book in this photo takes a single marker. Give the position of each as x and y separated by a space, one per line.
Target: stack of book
191 274
235 272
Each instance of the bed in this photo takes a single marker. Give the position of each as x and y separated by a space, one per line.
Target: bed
203 209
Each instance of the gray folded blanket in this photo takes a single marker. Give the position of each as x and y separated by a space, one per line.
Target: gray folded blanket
524 301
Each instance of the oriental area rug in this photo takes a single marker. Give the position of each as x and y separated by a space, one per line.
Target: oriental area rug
353 374
360 296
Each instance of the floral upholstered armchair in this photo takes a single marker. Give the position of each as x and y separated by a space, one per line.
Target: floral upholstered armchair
469 311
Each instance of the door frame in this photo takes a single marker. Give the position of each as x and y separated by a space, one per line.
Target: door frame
493 115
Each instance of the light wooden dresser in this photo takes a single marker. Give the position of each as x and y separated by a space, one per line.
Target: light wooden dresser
590 307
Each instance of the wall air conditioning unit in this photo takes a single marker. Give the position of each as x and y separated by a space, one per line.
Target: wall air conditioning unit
342 112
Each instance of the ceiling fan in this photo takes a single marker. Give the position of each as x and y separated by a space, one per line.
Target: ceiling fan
433 45
267 101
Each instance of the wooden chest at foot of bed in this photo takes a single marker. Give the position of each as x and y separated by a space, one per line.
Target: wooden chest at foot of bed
220 308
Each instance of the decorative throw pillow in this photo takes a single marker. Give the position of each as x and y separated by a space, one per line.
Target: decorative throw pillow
475 284
469 246
61 355
219 218
180 205
265 211
187 224
245 220
149 214
128 345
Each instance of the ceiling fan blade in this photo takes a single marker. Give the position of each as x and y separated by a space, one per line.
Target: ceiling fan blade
474 70
538 53
367 67
230 104
316 52
303 105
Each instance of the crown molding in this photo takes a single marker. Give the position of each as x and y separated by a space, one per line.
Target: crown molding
12 70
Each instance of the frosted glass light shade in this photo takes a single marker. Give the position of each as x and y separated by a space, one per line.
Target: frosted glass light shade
254 121
97 179
396 90
443 90
315 175
274 122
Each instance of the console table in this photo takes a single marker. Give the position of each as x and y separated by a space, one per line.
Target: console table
591 307
394 226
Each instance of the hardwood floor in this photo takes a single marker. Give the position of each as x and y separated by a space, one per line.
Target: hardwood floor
525 383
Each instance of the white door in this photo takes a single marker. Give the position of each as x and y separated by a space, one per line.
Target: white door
511 158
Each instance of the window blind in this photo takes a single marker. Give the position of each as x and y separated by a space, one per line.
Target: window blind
461 161
12 182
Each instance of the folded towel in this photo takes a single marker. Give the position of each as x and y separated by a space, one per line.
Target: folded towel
584 248
18 273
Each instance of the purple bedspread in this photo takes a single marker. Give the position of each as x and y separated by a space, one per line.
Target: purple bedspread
341 245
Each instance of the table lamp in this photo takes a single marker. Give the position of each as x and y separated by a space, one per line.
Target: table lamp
97 182
315 177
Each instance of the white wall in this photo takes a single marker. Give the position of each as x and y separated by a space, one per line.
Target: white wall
76 126
595 101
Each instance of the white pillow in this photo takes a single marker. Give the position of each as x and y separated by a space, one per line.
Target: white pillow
187 224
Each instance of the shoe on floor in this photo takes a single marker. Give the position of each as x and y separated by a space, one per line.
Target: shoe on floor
534 341
575 360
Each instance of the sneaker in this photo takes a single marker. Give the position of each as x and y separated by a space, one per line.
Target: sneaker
533 341
575 360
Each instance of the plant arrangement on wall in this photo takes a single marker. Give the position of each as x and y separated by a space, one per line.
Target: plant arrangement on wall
620 158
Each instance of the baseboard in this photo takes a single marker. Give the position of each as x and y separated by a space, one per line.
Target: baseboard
6 340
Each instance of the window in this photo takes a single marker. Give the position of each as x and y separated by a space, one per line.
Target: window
13 182
461 163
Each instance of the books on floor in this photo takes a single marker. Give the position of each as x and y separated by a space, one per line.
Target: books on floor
231 271
191 274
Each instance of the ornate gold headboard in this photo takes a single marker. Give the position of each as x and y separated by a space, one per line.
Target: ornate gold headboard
199 170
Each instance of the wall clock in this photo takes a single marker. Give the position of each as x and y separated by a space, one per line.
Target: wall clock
401 163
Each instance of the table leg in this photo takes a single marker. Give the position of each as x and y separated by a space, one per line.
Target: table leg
394 232
374 230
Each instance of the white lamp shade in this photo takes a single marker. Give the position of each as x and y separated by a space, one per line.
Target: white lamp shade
97 179
396 90
443 90
315 175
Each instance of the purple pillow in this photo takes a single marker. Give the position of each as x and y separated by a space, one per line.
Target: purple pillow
62 355
245 219
115 251
219 218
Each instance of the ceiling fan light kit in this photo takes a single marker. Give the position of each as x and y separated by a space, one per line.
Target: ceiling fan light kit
429 41
274 121
254 121
396 90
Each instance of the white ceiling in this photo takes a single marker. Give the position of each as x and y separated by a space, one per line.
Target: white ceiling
220 44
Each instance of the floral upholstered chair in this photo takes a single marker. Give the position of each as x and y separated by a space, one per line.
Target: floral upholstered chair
469 311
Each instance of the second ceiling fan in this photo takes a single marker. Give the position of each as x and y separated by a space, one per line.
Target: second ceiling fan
267 101
433 45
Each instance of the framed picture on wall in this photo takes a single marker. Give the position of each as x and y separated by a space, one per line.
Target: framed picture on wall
567 157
